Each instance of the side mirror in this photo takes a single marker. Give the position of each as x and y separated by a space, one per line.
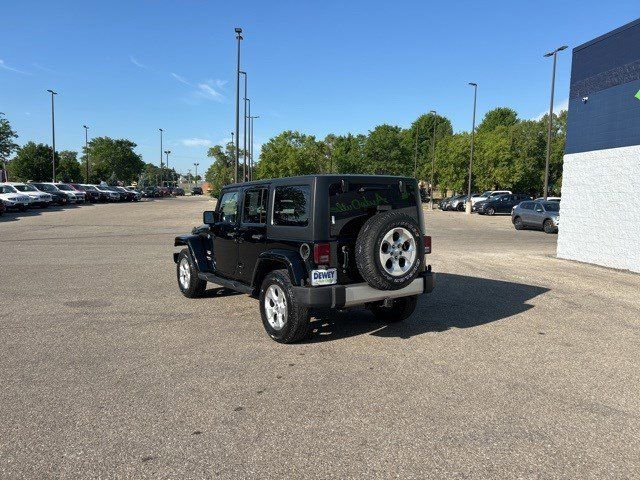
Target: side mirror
210 217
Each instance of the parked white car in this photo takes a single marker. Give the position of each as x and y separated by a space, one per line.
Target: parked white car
484 195
112 195
38 198
68 189
12 198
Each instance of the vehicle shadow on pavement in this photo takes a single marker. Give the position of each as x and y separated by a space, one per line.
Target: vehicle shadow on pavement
219 292
457 301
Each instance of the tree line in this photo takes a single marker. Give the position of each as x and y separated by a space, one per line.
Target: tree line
111 160
509 153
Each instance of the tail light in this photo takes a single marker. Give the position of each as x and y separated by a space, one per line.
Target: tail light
427 243
321 253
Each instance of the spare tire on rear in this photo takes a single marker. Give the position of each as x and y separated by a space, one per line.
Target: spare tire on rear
390 250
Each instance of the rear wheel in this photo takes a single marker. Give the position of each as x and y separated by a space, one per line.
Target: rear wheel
190 285
491 211
284 320
548 226
400 309
517 223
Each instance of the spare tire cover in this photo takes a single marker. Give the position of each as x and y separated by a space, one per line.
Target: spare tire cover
389 250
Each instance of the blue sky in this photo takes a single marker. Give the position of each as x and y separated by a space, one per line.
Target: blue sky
127 68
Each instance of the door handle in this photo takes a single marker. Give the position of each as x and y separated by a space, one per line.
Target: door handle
257 236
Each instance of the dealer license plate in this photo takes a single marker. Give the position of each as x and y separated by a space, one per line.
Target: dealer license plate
324 277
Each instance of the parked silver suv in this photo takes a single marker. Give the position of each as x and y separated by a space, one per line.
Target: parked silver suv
535 214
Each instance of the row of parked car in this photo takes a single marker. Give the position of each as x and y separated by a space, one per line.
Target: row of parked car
525 211
21 196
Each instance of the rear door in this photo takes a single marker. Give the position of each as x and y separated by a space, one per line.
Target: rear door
537 216
252 232
225 246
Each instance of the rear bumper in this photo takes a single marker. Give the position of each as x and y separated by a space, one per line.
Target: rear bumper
343 296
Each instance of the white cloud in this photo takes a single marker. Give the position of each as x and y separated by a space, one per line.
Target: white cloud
557 108
196 142
4 66
136 62
44 69
205 90
221 83
181 79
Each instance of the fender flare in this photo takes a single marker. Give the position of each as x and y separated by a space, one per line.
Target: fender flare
196 248
289 259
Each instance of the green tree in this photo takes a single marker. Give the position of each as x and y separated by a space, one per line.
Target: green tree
501 116
69 169
7 135
387 152
452 163
32 162
348 153
114 158
291 153
220 172
421 134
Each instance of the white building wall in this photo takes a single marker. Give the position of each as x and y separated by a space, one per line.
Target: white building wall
600 209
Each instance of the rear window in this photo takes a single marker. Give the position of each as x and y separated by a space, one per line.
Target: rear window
291 205
365 198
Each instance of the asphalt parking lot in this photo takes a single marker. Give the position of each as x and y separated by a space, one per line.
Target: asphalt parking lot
518 365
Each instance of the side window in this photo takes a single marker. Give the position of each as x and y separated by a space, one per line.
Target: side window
527 205
254 208
538 207
291 205
229 207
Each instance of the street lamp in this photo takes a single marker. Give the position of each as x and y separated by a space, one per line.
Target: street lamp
244 122
167 152
161 131
473 133
553 54
239 37
53 135
86 149
195 177
251 119
433 155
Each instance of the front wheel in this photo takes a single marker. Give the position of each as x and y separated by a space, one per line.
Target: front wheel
491 211
190 285
284 320
399 310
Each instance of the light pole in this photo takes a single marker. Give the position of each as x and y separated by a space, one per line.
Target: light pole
244 167
553 54
238 31
473 133
251 119
86 149
248 120
195 177
167 152
53 135
244 128
161 132
415 153
433 156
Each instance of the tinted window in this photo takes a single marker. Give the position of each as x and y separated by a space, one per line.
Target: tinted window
254 208
229 207
291 206
527 205
552 206
538 207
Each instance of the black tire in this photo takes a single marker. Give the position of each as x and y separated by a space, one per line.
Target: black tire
461 207
401 309
491 211
548 227
297 325
370 243
195 286
517 223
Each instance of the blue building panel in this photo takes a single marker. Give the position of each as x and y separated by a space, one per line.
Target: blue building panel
604 108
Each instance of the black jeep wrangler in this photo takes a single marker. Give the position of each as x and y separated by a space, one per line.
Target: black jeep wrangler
318 241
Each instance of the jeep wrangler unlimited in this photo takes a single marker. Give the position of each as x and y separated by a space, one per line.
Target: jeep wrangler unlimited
318 241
